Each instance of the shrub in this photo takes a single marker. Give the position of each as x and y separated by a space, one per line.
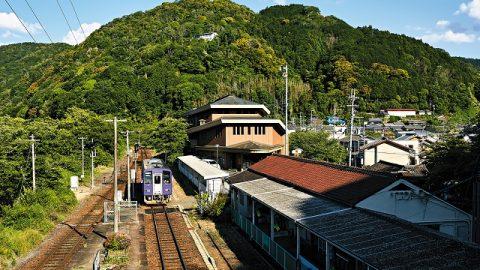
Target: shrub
119 241
21 217
211 208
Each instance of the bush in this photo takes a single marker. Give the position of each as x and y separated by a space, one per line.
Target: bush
21 217
211 208
119 241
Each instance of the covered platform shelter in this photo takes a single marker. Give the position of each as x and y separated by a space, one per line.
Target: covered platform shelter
304 231
204 176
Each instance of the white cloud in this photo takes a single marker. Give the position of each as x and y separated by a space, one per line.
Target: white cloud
10 22
88 27
449 36
471 8
442 24
280 2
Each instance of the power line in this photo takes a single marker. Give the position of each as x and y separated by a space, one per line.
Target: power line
66 20
78 20
38 20
24 26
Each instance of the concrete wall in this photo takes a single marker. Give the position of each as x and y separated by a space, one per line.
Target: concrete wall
386 153
271 137
417 206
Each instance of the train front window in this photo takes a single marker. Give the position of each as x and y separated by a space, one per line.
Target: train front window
158 179
166 177
148 178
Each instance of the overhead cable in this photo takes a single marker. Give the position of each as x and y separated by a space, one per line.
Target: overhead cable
23 24
38 20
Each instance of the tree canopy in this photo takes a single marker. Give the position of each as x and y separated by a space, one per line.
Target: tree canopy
153 63
317 145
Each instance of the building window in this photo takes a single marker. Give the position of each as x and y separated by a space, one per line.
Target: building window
218 133
238 130
249 130
260 130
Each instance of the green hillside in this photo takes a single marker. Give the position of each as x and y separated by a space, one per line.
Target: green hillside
473 61
153 63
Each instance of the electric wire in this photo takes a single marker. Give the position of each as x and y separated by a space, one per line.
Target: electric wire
78 20
38 20
66 20
24 26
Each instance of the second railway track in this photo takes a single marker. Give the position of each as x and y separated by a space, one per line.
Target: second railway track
171 245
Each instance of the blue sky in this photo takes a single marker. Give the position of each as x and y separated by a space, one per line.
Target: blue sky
453 25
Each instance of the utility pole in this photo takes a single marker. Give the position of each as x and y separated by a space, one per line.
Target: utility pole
33 140
127 133
115 171
285 75
311 117
83 156
352 119
93 154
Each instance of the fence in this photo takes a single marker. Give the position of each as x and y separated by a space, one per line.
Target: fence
96 261
281 256
127 211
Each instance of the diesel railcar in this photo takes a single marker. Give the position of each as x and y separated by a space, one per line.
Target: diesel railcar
157 182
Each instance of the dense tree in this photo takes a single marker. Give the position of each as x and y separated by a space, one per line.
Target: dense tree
170 138
317 145
153 63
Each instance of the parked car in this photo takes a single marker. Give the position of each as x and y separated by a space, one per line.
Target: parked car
212 162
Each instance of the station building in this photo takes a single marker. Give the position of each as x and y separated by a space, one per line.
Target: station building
312 215
235 131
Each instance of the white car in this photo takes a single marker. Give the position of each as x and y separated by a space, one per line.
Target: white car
212 162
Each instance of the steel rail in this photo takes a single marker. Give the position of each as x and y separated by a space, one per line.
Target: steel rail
162 261
174 238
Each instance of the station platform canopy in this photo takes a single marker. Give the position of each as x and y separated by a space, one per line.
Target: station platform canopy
205 170
381 241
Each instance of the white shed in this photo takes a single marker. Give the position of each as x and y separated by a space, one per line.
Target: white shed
204 176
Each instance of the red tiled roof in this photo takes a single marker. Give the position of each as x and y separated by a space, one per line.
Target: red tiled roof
340 183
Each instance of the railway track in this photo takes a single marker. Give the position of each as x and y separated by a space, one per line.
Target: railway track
59 251
171 242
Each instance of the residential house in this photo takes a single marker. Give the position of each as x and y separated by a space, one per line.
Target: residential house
234 131
387 150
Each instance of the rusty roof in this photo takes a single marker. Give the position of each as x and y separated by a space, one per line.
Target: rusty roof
340 183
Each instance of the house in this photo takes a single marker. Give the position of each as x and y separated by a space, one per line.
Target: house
235 130
317 215
412 173
208 36
375 121
400 112
387 150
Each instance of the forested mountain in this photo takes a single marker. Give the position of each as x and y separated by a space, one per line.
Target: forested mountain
153 63
473 61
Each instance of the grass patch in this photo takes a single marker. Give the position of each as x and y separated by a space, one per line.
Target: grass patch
25 223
